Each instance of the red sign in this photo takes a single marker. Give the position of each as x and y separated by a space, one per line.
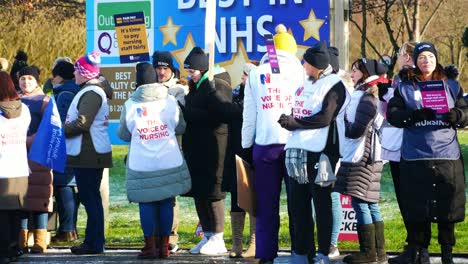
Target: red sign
348 230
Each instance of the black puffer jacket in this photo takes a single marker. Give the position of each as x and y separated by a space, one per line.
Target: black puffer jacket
362 179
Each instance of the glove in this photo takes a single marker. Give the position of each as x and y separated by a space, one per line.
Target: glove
451 71
424 114
282 120
383 89
288 122
453 117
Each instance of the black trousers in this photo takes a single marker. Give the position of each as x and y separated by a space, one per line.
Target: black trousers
395 171
9 232
211 215
303 227
419 233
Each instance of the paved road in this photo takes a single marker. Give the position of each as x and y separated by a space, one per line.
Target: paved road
129 256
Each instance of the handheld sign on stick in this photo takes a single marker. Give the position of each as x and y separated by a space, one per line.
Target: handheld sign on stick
210 31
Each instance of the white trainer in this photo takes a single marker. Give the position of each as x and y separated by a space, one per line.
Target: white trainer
214 246
196 249
334 252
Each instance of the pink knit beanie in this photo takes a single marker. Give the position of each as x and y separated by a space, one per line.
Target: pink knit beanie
88 65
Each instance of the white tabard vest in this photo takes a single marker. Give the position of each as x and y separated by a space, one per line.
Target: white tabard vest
354 148
308 102
267 97
154 144
13 152
98 130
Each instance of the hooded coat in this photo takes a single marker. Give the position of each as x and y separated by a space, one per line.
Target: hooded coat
154 185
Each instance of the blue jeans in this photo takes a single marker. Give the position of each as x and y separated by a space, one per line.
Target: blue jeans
39 220
88 181
67 207
337 217
366 212
156 217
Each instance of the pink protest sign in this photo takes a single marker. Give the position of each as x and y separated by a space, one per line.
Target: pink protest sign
434 96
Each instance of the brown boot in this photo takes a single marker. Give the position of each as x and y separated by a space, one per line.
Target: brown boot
64 237
237 227
23 241
164 248
149 250
250 252
380 242
40 244
367 254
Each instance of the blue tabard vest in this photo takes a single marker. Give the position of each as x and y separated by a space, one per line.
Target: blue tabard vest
34 103
429 139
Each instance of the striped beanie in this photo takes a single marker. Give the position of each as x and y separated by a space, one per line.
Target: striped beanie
88 65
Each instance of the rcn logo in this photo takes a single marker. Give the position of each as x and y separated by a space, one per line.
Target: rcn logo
265 78
141 112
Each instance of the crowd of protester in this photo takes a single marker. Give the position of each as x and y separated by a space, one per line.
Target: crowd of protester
323 133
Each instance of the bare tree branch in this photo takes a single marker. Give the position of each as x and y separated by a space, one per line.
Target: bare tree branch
416 21
367 40
393 40
407 19
364 28
429 20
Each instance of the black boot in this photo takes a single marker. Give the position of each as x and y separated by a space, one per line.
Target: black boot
423 256
446 257
380 242
408 256
367 254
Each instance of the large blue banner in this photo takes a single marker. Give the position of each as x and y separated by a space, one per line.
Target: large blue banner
48 148
179 25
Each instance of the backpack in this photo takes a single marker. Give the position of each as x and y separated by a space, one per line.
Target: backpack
64 99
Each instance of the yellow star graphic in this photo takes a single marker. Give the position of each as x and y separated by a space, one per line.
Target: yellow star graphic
236 64
182 53
301 49
170 31
312 26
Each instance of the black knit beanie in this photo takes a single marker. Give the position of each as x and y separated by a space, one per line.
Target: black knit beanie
370 65
317 55
334 62
424 46
30 70
64 69
381 69
196 60
16 67
145 74
163 58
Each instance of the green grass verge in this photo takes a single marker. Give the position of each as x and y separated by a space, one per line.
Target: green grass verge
124 222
